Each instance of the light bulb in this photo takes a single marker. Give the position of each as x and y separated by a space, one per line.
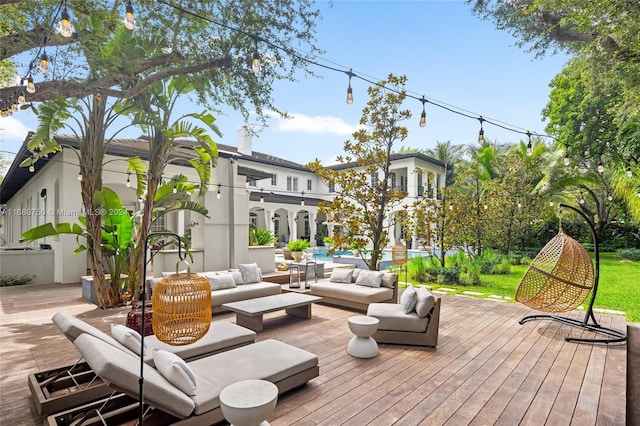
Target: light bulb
129 21
14 106
175 189
481 135
486 207
519 205
128 181
80 176
551 203
31 87
566 160
218 194
255 64
581 199
600 167
21 98
32 168
44 63
65 28
529 149
423 119
610 197
349 95
629 172
450 206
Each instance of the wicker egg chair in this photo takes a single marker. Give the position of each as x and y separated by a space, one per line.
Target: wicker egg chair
560 277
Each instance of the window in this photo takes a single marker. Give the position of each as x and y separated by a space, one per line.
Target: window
159 223
292 183
274 180
332 187
374 179
309 185
252 182
393 180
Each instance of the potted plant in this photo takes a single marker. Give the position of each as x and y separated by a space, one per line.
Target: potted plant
261 237
327 241
296 247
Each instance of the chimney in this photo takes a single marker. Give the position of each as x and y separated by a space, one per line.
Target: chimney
244 141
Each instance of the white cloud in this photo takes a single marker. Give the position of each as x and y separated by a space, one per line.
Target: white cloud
12 133
316 124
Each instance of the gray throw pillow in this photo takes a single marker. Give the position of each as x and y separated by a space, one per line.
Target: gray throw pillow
425 302
408 299
369 278
250 273
237 276
356 272
221 281
341 275
389 279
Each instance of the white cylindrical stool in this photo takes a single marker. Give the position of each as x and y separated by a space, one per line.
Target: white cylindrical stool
249 402
362 345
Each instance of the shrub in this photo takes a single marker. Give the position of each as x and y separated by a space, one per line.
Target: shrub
298 245
515 259
629 254
526 260
504 267
418 269
12 280
261 237
487 266
472 275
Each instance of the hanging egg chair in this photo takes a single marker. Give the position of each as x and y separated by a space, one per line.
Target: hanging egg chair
560 277
181 308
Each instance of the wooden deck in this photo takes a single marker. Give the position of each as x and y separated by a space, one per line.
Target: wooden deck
487 368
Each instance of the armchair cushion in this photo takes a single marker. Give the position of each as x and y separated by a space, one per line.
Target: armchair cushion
369 278
408 299
393 318
425 302
175 370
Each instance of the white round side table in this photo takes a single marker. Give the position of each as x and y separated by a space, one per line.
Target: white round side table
362 345
248 402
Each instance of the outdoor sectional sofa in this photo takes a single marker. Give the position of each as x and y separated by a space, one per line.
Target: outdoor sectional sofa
357 288
234 285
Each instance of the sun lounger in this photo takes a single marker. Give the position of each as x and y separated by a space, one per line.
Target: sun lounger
284 365
62 388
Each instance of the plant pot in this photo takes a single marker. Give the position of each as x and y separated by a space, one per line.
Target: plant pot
297 255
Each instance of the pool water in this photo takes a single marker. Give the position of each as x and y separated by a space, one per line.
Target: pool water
320 254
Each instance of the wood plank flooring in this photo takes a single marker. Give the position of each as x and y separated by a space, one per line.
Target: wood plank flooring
487 369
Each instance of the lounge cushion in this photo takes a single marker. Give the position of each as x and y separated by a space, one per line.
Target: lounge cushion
425 301
73 327
341 275
270 360
250 273
175 370
389 279
123 370
128 337
393 318
351 292
408 299
369 278
221 281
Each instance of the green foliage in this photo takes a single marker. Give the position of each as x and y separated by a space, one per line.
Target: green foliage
261 237
12 280
503 267
417 269
471 274
298 245
629 254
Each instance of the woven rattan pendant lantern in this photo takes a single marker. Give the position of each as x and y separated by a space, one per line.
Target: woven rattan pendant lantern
560 277
181 308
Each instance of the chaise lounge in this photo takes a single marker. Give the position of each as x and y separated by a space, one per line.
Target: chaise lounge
284 365
62 388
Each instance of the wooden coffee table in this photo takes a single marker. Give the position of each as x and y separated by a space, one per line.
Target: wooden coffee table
250 312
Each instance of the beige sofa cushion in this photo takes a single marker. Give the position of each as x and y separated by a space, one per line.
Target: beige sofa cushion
369 278
341 275
243 292
393 318
351 292
425 302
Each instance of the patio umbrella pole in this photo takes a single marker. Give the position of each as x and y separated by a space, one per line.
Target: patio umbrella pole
616 335
143 296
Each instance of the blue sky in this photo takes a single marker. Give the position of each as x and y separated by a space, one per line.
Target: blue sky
448 55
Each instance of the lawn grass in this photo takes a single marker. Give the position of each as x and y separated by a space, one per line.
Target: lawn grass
618 289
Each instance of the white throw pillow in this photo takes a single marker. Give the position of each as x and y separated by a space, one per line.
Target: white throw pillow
221 281
408 299
341 275
175 370
237 276
127 337
250 273
425 301
369 278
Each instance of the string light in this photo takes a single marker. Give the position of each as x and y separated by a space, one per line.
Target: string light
609 197
21 98
519 204
80 176
566 160
129 21
600 167
128 184
581 199
529 146
349 89
551 203
32 168
218 194
450 206
261 196
629 172
65 28
481 132
302 199
423 116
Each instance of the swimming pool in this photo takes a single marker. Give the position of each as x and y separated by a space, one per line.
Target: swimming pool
320 254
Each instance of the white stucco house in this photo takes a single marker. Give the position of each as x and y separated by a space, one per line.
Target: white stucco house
247 187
